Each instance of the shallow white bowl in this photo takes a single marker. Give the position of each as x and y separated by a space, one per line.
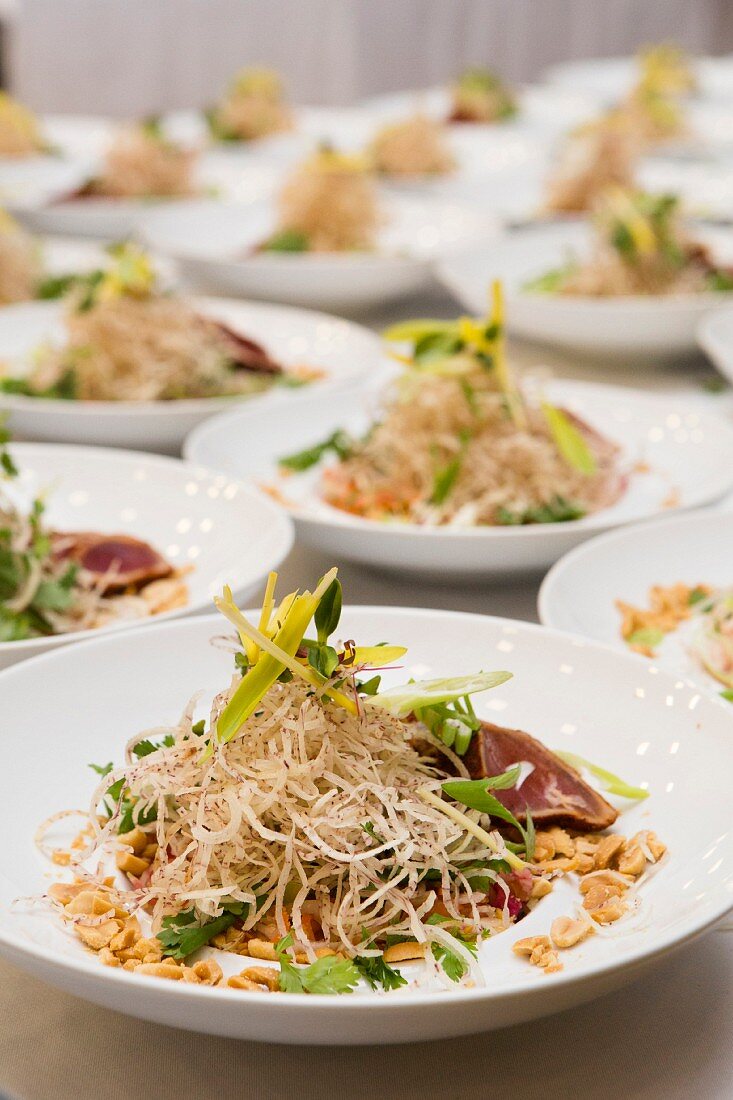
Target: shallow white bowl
684 450
344 351
573 695
548 110
579 592
715 337
610 78
228 533
219 173
214 245
29 184
628 327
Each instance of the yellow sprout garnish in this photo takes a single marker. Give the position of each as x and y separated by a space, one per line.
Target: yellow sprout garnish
620 204
15 116
259 82
130 275
331 160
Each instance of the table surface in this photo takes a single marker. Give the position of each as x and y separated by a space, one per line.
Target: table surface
668 1036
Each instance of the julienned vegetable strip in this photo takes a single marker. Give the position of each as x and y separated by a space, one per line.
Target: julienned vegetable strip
612 783
470 826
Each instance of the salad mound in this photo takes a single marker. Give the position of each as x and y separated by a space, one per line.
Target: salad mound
640 247
142 163
414 147
127 339
329 204
253 107
460 443
480 95
318 823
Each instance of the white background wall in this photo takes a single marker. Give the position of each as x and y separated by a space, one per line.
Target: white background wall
128 57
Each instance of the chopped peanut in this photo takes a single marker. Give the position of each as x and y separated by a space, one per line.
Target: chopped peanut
608 849
161 970
238 982
632 861
404 952
566 932
262 975
130 864
652 842
108 958
98 936
609 912
529 945
541 887
564 844
261 949
207 971
135 839
604 878
544 847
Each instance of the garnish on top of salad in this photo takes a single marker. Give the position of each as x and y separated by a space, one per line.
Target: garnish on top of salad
480 95
641 247
142 163
595 156
459 442
325 831
667 68
130 340
20 133
644 629
329 204
253 107
416 146
57 582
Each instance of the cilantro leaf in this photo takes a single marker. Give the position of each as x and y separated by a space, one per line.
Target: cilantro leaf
180 935
329 975
377 972
339 442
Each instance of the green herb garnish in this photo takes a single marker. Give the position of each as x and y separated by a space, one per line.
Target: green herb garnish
181 935
340 443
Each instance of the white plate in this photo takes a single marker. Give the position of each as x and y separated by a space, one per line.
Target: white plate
31 183
573 695
684 450
715 337
610 78
79 136
339 126
633 326
227 532
345 352
213 245
223 174
549 110
579 593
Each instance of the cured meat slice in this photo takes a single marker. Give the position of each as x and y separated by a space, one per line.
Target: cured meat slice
117 561
553 791
245 353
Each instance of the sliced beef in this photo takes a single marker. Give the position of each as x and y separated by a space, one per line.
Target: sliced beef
554 792
246 354
120 561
